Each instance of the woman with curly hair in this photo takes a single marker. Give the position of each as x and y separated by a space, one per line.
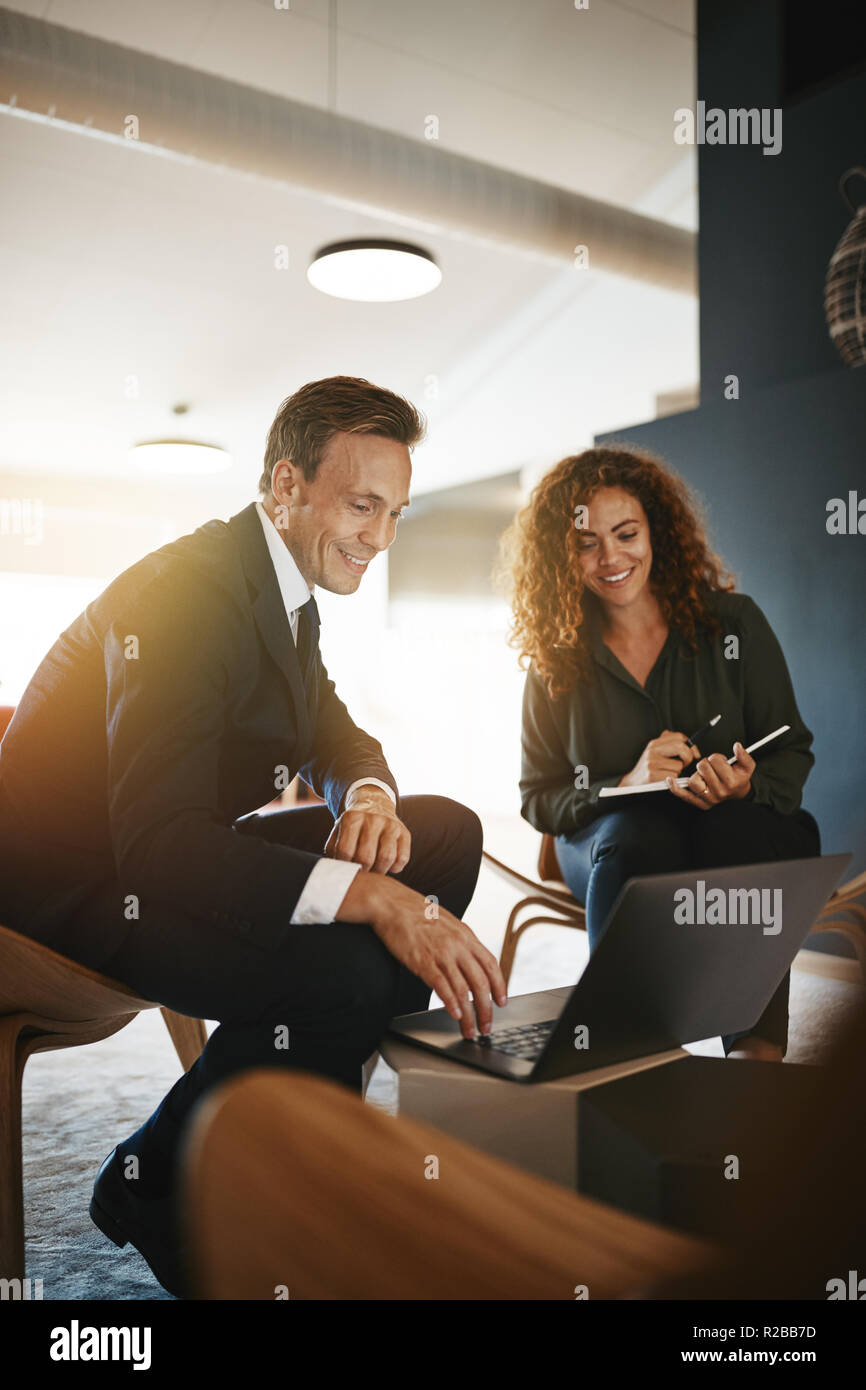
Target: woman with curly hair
635 638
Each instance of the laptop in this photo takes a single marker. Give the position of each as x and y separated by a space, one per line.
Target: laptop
682 957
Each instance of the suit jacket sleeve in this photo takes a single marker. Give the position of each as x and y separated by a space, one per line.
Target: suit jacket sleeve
341 753
166 711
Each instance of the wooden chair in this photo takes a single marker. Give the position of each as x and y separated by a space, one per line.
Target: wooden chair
48 1002
293 1188
831 917
561 909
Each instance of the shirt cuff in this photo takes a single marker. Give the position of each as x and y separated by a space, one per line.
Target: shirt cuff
370 782
323 892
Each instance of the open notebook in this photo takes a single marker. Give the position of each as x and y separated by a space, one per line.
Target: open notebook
684 781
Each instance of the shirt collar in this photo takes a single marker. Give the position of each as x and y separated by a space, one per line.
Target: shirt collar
293 586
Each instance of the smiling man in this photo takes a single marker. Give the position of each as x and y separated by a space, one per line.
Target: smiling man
132 775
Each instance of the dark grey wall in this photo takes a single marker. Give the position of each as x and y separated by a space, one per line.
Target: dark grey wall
767 463
770 223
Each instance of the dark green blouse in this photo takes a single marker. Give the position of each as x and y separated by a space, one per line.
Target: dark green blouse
606 721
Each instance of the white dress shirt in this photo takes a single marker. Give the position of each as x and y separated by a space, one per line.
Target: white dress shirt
329 880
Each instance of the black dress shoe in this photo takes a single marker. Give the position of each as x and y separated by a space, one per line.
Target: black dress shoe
145 1222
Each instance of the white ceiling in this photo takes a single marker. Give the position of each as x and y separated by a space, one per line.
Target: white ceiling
117 263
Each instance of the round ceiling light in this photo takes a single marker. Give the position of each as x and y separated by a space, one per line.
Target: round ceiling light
375 271
179 456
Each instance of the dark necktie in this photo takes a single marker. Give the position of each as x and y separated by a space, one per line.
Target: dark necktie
307 626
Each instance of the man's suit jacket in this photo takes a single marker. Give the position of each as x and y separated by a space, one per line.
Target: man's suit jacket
162 714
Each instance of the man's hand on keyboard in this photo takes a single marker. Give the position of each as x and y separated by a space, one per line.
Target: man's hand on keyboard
443 952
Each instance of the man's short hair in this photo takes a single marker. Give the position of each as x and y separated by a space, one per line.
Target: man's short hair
307 421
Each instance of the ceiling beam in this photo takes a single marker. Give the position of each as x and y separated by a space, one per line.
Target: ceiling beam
49 72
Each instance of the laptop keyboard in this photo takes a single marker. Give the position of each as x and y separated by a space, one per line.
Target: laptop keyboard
525 1041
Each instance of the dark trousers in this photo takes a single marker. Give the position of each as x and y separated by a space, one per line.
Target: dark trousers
668 835
329 990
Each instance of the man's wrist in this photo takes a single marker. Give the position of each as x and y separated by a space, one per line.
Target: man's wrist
363 794
364 898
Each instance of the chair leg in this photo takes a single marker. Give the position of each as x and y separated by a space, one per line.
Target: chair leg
11 1175
513 932
189 1036
367 1073
506 957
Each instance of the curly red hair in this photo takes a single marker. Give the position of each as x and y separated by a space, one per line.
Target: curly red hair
541 560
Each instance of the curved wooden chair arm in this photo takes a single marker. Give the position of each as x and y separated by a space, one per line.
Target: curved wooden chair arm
569 912
844 897
189 1036
521 882
842 914
263 1213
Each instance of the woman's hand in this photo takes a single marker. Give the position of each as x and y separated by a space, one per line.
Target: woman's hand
667 754
717 780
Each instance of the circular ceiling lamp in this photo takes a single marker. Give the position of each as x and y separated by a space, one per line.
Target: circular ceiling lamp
374 270
165 456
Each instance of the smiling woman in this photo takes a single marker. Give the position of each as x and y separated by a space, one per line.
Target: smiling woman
635 639
606 506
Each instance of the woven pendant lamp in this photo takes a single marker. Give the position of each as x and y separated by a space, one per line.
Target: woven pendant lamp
845 286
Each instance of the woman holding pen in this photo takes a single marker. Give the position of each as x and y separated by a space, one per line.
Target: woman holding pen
636 641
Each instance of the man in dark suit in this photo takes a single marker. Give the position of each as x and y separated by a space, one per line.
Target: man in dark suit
177 704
